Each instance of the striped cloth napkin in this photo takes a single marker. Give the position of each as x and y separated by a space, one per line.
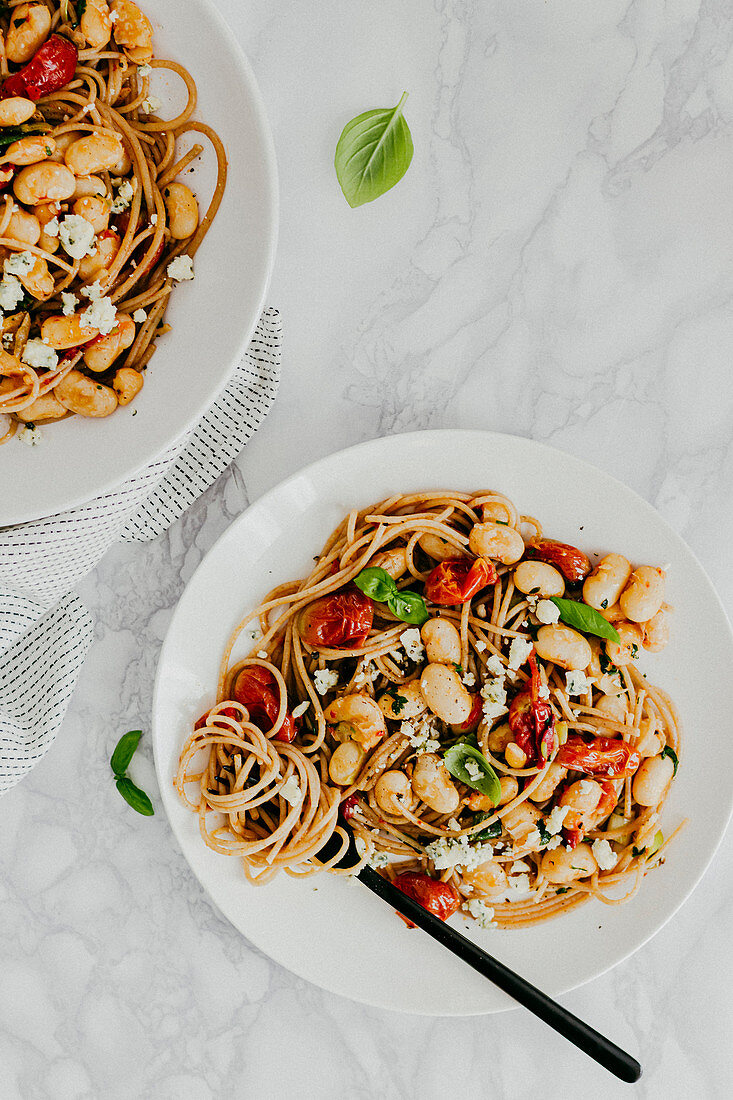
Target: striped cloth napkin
45 631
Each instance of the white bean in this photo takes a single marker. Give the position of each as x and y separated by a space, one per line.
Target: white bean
442 642
607 581
652 780
563 646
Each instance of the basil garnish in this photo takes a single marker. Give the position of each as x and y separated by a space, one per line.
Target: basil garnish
373 153
585 618
669 751
407 606
120 761
462 760
491 832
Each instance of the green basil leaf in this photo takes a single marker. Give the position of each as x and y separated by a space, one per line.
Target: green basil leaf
585 618
408 606
124 751
492 832
545 837
134 796
669 751
375 583
373 153
456 760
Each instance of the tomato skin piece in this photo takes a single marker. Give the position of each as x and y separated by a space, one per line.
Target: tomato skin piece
230 712
457 580
532 721
256 689
599 756
572 563
348 806
439 898
474 717
341 620
51 68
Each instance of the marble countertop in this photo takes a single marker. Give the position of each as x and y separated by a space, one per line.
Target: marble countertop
557 263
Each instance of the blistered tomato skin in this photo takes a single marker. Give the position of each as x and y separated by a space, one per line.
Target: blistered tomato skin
51 69
532 721
256 689
339 621
439 898
230 712
601 756
571 562
453 582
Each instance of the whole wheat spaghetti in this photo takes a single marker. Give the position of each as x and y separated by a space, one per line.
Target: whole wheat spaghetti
464 692
95 226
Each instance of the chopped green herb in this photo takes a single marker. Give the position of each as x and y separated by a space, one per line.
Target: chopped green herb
398 701
459 669
669 751
604 604
491 832
636 852
545 837
563 890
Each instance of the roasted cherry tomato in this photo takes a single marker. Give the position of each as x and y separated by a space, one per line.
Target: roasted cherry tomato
439 898
574 823
599 756
256 689
50 69
339 621
572 563
229 711
531 720
456 581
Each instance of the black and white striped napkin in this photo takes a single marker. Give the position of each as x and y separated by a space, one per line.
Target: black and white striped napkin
45 631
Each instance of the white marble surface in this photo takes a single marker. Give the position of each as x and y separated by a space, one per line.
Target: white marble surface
558 263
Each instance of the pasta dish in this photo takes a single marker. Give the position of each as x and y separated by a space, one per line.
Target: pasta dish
463 693
95 225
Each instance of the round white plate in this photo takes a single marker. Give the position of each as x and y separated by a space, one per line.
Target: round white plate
212 317
335 932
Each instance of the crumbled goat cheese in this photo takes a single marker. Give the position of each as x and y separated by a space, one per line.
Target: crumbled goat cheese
469 680
365 674
473 771
543 692
123 198
533 840
70 302
139 316
547 612
20 263
263 655
39 355
555 842
324 679
519 867
144 69
493 694
420 733
51 229
8 339
454 825
586 788
150 105
101 314
457 852
93 292
301 708
576 682
376 859
479 645
11 292
30 435
181 268
291 791
519 651
494 666
554 821
604 854
412 644
153 219
77 236
480 912
517 887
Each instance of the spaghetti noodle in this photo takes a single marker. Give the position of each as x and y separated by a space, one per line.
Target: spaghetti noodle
424 683
94 227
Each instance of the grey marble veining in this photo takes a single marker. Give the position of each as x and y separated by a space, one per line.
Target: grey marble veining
558 263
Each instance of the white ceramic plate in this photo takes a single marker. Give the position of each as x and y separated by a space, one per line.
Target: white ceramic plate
212 317
335 932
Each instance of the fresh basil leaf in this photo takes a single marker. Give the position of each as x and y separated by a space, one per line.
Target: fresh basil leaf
545 837
124 751
585 618
462 757
134 796
669 751
492 832
375 583
408 606
373 153
466 739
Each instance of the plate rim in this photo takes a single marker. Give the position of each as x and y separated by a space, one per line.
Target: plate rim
270 216
435 435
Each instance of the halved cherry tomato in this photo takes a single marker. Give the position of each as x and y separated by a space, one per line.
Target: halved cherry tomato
574 824
339 621
256 689
51 68
572 563
439 898
456 581
532 721
599 756
229 711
